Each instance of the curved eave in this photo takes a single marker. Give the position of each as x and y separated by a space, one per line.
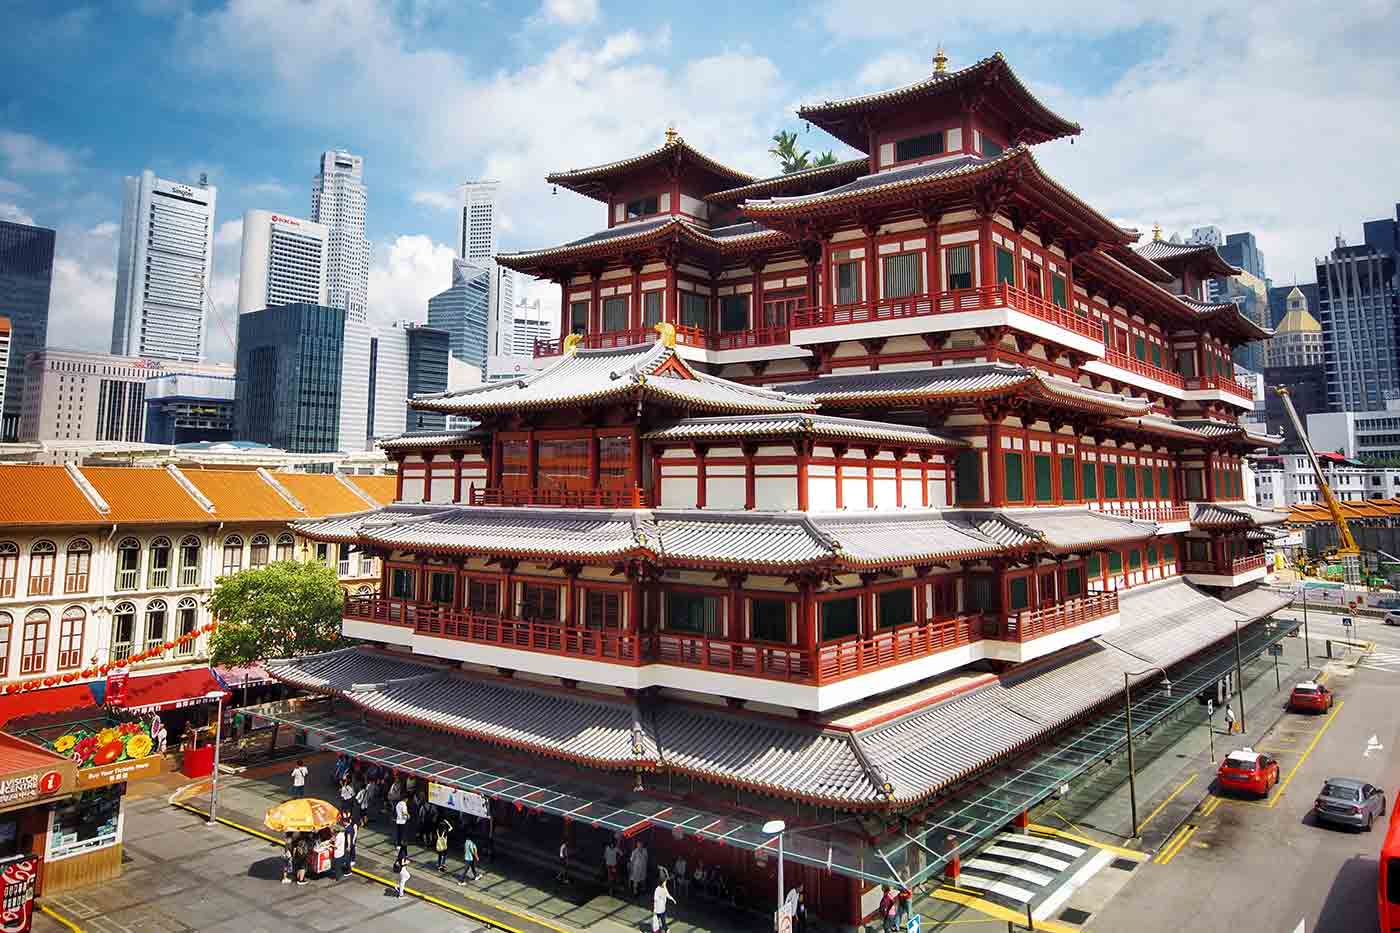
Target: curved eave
813 178
841 118
629 552
541 262
850 562
593 181
1113 271
1126 256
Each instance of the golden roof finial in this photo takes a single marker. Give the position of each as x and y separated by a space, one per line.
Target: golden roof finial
672 137
571 342
940 61
1156 232
667 330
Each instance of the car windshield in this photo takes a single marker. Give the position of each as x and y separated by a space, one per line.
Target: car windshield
1305 688
1240 764
1341 791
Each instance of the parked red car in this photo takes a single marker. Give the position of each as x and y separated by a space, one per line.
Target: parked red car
1310 697
1248 771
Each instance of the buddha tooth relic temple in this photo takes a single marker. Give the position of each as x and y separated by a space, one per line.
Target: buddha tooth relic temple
840 497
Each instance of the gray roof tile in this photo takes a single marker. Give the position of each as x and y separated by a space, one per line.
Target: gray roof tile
813 425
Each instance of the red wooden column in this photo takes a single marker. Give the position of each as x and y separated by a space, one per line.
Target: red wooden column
899 454
655 499
921 589
699 451
457 475
1210 478
398 478
750 481
872 267
636 296
923 477
813 258
671 300
803 450
756 298
734 629
839 452
996 478
564 315
870 454
427 476
508 589
595 311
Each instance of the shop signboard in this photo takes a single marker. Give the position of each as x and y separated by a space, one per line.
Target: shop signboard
130 770
20 789
454 798
116 687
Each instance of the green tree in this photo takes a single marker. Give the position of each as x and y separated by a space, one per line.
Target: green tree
785 151
826 158
281 610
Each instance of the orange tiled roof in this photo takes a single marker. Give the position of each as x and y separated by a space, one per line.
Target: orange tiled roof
381 487
43 495
322 493
143 494
242 495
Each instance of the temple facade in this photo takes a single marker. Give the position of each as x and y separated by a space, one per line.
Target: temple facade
812 458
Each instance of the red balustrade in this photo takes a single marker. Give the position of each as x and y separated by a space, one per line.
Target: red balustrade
856 656
1245 564
1233 568
686 335
1033 623
966 299
631 498
1222 384
1161 514
1143 368
377 609
741 339
775 662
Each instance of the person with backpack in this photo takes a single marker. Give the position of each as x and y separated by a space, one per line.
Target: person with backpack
444 833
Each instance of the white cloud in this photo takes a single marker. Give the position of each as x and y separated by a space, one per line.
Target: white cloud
14 213
230 233
267 188
84 285
439 200
570 12
104 229
893 69
28 154
404 274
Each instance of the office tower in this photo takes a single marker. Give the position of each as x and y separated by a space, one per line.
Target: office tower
1241 249
186 408
164 267
4 362
1359 308
288 389
1206 236
462 310
528 325
283 262
78 395
26 274
380 369
338 201
476 242
428 352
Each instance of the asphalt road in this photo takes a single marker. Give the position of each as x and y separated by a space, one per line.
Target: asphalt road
1265 866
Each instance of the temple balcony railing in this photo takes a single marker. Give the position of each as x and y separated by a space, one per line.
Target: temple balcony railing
1222 384
1143 368
941 304
1162 514
1033 623
686 336
602 498
856 656
1237 567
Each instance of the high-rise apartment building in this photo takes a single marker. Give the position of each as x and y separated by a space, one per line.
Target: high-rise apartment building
77 395
288 389
1359 308
164 268
338 200
26 274
283 261
463 311
476 243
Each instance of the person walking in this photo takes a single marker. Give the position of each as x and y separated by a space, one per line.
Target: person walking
563 876
887 909
393 793
799 916
301 854
299 774
1229 719
401 870
288 858
338 854
352 835
660 898
444 832
400 819
637 869
363 798
610 856
469 855
347 797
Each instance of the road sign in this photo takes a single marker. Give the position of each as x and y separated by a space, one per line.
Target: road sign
1346 621
914 923
1210 707
1276 650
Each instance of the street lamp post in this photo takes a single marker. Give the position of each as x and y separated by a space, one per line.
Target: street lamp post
1307 647
218 696
1128 722
1239 674
776 828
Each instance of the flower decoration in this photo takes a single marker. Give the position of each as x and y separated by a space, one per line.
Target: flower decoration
65 743
108 735
138 745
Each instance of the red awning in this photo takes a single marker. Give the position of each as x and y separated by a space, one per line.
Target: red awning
51 701
151 692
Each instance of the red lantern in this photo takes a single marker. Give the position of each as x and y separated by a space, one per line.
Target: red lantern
69 677
170 646
105 668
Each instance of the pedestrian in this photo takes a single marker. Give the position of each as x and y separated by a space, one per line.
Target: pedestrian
610 863
363 799
338 853
659 900
299 779
1229 719
287 858
393 794
402 855
400 819
468 861
401 870
301 854
637 869
887 909
903 903
563 876
352 835
681 876
799 916
347 795
444 830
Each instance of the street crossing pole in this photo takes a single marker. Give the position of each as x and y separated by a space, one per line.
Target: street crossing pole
1307 647
1239 675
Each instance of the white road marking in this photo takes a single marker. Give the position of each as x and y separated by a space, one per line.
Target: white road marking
1074 883
1034 858
995 887
990 867
1302 926
1050 845
1373 744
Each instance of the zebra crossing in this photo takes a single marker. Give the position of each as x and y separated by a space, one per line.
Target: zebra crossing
1381 660
1017 870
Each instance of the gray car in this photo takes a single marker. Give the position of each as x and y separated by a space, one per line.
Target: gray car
1349 802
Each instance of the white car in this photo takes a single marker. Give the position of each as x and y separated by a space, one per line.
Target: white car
1392 617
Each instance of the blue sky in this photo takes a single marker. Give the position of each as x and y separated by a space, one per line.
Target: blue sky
1193 114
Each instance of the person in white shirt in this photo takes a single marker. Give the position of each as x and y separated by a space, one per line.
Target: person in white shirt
563 876
682 879
659 899
400 820
637 869
338 853
610 863
299 779
402 867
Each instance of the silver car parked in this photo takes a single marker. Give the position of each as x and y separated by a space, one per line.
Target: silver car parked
1349 802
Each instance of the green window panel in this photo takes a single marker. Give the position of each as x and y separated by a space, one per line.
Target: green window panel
1044 478
1015 478
1067 491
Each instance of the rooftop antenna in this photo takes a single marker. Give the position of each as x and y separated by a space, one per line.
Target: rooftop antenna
204 179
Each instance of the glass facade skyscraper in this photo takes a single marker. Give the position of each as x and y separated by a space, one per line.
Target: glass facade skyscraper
428 349
288 388
1359 309
26 276
463 311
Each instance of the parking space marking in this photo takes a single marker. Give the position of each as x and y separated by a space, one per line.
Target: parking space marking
1212 805
1317 737
1176 845
1134 854
1170 798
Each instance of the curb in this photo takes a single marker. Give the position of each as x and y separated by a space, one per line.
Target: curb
58 917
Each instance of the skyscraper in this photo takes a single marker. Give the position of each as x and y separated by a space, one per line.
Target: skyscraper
288 388
283 261
380 369
463 309
164 267
476 243
1359 308
338 201
527 326
26 274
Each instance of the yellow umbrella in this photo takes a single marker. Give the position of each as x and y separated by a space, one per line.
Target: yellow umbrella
302 815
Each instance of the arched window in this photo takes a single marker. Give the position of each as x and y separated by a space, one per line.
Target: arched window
43 556
364 589
77 566
70 637
189 561
186 620
9 568
286 547
7 628
34 648
159 572
128 564
257 552
155 625
123 628
233 555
